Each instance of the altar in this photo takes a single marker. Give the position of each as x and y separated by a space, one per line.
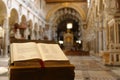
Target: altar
68 40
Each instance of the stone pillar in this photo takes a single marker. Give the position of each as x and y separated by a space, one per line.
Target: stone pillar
104 39
26 33
38 34
54 32
42 33
100 41
115 33
84 37
85 47
6 37
32 35
50 34
105 31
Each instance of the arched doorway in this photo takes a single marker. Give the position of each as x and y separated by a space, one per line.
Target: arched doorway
60 20
3 15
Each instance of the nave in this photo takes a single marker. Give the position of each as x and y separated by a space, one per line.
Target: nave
86 68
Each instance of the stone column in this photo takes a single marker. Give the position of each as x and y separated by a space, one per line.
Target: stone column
104 39
100 41
42 33
50 34
115 33
38 34
32 35
85 48
6 37
26 33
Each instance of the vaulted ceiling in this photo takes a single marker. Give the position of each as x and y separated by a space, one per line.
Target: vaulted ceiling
59 1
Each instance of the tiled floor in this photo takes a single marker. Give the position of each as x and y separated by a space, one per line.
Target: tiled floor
86 68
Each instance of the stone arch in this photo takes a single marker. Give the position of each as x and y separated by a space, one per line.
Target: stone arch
55 19
3 12
14 18
70 5
3 16
63 16
30 24
23 19
13 21
63 13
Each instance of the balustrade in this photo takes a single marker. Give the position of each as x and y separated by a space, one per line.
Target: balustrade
112 56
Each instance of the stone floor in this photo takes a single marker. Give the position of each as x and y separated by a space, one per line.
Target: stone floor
86 68
91 68
4 64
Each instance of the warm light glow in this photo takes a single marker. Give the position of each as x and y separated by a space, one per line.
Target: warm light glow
88 1
78 41
32 0
60 42
69 25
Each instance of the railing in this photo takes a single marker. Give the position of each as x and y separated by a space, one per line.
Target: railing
112 56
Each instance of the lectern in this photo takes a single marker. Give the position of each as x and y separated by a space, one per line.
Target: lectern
52 70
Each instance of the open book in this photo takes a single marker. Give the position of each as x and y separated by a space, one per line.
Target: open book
36 51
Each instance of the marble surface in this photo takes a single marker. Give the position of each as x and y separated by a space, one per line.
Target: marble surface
91 68
86 68
4 73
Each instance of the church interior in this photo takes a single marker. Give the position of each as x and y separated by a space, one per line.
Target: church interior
87 31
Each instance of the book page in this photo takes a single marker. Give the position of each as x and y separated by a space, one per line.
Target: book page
51 52
24 51
11 54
